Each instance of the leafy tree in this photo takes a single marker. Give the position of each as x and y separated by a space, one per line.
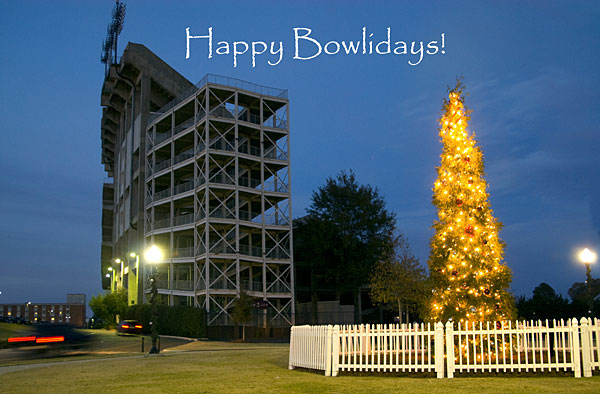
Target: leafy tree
107 306
544 304
398 280
351 229
470 281
580 297
241 311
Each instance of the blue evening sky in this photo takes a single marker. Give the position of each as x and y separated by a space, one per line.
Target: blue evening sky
531 70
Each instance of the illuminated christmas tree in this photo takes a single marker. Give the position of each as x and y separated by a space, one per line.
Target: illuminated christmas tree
470 281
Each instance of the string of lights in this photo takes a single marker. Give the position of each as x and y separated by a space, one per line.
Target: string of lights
469 277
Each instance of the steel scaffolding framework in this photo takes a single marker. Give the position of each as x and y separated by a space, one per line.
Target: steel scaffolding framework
218 199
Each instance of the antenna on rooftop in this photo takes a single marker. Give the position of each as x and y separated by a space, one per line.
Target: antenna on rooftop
112 34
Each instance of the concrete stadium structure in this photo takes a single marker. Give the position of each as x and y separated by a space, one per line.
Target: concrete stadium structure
203 172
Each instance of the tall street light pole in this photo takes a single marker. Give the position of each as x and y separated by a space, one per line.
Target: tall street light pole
132 288
587 257
153 256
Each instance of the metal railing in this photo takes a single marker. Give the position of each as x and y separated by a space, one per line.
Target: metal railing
200 214
221 111
221 213
275 153
199 181
183 219
188 154
251 285
222 283
200 147
278 287
248 117
160 137
162 223
221 178
185 285
184 126
200 249
200 115
238 83
161 165
248 250
162 283
251 183
184 187
222 247
250 216
221 144
162 194
283 124
219 80
182 252
279 187
278 253
251 150
276 219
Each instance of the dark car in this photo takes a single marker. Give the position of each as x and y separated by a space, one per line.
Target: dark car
129 327
50 339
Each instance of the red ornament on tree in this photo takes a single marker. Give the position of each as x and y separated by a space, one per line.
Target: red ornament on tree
467 159
459 202
469 231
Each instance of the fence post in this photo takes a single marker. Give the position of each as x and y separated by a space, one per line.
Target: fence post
328 356
575 358
290 365
450 349
335 351
586 348
438 341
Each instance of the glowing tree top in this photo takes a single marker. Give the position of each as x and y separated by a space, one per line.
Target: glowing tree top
470 282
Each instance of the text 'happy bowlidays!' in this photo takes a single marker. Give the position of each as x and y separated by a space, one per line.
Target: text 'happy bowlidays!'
307 46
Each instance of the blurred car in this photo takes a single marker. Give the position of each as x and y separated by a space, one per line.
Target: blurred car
129 327
50 339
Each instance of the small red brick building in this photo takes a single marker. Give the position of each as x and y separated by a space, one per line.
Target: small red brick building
72 312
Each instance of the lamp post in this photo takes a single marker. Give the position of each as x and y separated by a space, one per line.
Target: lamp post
132 279
587 257
111 273
119 262
153 256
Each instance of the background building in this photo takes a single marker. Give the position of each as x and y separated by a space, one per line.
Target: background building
207 181
72 312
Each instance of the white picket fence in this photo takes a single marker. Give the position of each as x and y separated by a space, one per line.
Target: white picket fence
391 348
310 347
519 347
590 339
478 347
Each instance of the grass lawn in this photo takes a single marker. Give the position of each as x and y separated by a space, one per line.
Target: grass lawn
8 330
216 367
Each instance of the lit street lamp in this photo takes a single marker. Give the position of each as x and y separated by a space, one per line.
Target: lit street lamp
587 257
119 274
132 278
153 256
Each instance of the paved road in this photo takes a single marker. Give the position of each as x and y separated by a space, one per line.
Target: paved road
101 344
